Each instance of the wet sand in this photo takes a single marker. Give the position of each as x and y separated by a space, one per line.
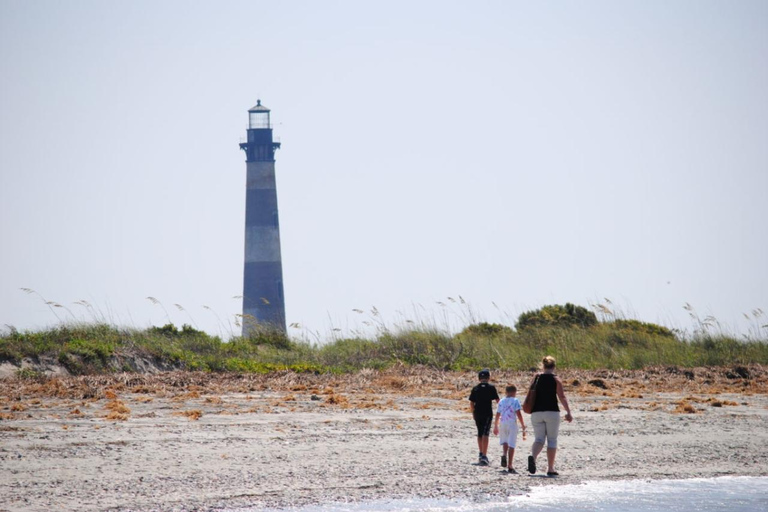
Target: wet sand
184 441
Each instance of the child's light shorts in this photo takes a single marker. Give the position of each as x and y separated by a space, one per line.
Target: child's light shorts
508 434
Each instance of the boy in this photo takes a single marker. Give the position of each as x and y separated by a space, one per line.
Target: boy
508 408
481 404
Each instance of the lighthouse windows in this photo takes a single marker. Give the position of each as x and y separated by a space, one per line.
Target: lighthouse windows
258 120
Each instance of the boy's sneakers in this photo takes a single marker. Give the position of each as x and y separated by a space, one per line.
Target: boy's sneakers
512 471
483 460
503 461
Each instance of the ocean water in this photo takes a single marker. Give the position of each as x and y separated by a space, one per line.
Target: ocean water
732 494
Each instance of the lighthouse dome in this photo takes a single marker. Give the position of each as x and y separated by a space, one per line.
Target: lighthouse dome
258 107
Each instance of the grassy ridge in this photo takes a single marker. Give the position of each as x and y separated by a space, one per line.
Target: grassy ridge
620 344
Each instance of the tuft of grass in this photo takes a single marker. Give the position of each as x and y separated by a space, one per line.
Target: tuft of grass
116 416
685 407
117 406
191 415
29 374
338 400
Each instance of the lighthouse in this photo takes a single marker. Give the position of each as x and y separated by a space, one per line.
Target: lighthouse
263 300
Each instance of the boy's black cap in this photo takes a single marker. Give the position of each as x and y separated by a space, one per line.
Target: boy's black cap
484 374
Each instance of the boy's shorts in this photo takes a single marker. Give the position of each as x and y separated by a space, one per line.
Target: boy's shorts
483 424
508 434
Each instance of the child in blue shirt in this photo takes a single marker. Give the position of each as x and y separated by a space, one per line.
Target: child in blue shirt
508 408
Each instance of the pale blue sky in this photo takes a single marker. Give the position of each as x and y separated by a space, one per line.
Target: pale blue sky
521 153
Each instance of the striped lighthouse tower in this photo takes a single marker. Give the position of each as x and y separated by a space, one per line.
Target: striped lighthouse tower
263 301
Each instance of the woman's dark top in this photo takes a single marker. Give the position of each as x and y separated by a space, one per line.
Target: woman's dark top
546 393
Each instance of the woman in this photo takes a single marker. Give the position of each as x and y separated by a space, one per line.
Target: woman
545 415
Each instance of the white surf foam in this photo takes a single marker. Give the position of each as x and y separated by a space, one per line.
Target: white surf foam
736 494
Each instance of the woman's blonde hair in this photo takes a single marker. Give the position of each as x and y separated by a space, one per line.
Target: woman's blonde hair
548 362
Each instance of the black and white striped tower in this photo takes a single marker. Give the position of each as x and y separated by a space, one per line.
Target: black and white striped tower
263 301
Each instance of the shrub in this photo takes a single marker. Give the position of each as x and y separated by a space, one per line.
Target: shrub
484 329
427 347
643 327
90 350
171 331
268 336
353 353
556 315
73 364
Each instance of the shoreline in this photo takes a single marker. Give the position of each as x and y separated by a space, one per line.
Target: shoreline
185 441
694 493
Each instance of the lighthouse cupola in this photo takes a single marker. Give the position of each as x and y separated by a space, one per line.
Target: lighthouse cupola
258 117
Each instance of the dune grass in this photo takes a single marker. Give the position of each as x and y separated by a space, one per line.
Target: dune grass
618 344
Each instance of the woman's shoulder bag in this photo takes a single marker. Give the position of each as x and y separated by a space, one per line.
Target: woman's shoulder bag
530 398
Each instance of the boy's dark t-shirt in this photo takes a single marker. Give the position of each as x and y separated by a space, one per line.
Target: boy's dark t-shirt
483 395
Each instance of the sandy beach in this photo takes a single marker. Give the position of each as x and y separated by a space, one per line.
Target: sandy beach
187 441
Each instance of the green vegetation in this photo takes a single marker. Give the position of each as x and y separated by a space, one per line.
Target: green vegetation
557 316
101 348
570 333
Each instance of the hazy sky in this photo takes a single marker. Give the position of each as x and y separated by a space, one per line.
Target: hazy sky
516 153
